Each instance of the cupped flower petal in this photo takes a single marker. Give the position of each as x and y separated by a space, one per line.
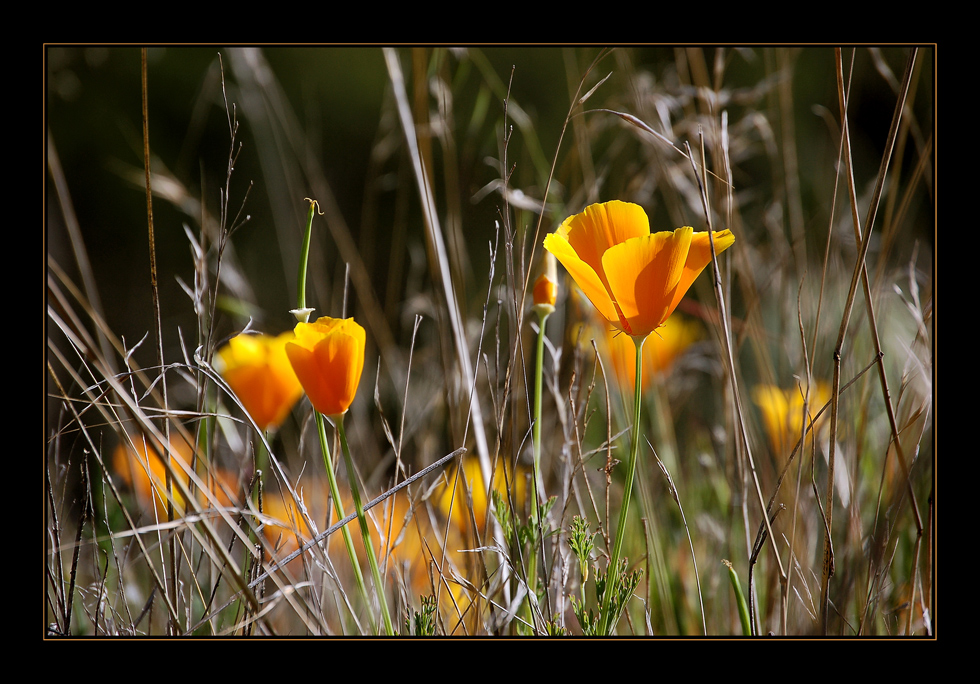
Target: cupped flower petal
257 369
602 226
698 257
583 274
328 358
643 275
634 278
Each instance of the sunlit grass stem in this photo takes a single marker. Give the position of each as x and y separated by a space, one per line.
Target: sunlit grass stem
362 521
612 576
743 610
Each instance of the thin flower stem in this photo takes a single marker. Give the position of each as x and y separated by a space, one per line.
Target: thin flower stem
304 258
532 571
612 570
262 454
536 434
362 521
339 508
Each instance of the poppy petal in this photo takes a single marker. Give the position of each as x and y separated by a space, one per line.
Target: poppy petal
643 276
583 274
328 357
600 227
257 369
698 258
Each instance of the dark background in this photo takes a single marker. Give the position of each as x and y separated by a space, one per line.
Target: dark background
337 97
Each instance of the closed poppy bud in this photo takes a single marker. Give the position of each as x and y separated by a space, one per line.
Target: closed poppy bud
328 357
633 277
257 369
546 287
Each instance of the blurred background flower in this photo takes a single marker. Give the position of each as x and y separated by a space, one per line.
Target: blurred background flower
470 478
258 370
782 414
147 476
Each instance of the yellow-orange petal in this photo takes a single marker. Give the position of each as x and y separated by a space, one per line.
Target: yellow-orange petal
599 227
328 358
698 257
643 276
584 275
257 369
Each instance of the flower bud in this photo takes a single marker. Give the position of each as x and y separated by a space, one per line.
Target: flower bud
546 287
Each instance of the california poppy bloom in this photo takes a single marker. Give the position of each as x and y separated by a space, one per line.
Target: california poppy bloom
328 357
634 278
258 370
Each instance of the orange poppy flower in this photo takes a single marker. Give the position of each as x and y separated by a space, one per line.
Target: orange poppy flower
258 370
328 357
634 278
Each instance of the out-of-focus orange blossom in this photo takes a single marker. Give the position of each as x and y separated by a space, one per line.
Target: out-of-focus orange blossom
258 370
147 477
456 507
408 558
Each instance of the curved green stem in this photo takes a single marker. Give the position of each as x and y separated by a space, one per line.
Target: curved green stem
362 521
536 432
743 610
339 508
304 258
532 570
612 570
